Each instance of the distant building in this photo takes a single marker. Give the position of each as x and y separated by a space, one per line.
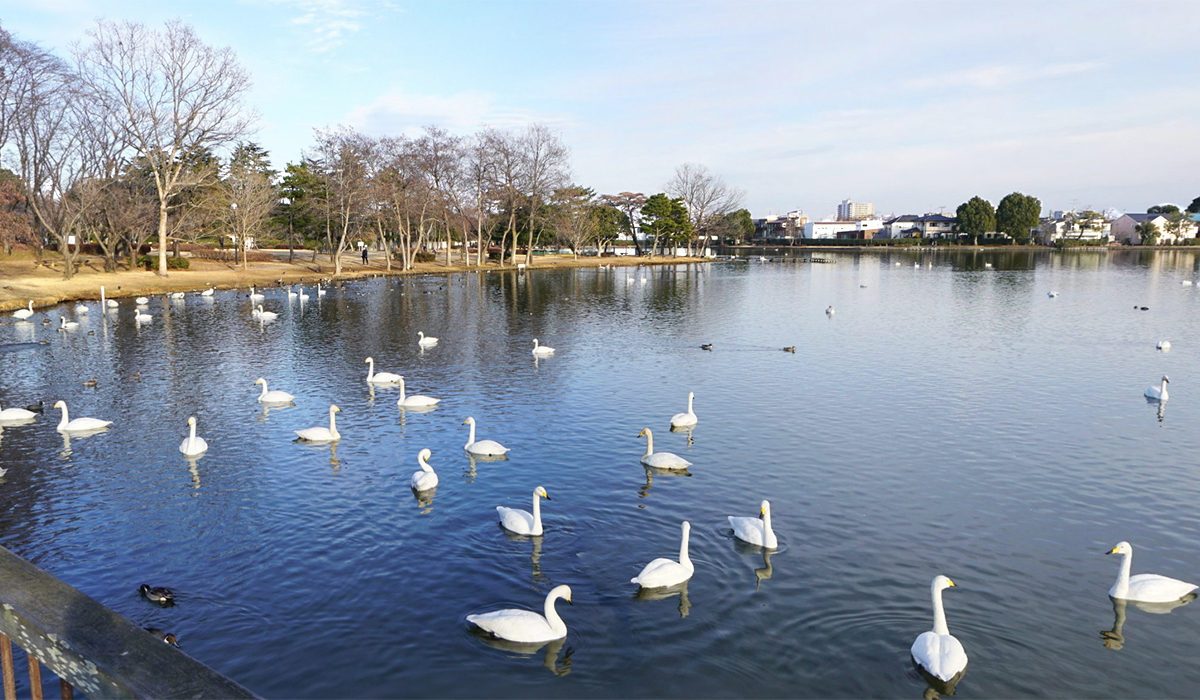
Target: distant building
780 227
869 228
855 211
1124 229
1071 225
936 226
904 226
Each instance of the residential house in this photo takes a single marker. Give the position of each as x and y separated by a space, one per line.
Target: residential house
1071 225
782 228
936 226
904 226
1124 229
869 228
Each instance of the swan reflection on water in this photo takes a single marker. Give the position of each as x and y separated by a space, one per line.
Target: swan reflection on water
936 687
535 556
651 472
1115 638
687 430
550 659
679 589
192 463
748 550
404 410
425 499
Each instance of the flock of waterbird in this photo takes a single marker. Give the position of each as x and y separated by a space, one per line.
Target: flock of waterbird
939 655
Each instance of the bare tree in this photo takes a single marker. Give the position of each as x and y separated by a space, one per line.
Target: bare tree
172 94
544 168
630 204
574 218
341 156
249 196
440 156
480 176
705 195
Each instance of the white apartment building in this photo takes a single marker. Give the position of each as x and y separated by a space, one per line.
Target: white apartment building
855 211
867 228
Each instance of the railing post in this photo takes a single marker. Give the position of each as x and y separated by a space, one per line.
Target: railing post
6 662
35 678
68 693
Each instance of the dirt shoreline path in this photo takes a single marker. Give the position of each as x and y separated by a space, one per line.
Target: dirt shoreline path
23 278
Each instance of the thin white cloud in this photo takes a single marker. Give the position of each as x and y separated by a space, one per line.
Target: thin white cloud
329 23
399 112
998 76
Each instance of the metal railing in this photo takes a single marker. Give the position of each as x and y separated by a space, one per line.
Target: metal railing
90 647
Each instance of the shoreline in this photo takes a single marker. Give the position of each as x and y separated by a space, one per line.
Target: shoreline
25 278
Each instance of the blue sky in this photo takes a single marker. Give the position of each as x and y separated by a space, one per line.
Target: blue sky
910 105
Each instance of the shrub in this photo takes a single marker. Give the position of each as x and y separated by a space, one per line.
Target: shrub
150 262
425 256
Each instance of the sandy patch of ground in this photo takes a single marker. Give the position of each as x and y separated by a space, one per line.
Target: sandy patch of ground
23 278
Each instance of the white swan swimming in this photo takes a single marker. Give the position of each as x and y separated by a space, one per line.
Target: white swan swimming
1164 345
521 521
272 396
22 314
541 350
525 626
1159 393
142 317
660 460
685 420
207 293
65 325
426 341
938 651
661 573
265 315
291 294
255 296
79 425
142 301
320 292
487 448
756 530
1145 588
416 400
380 378
303 296
81 308
426 478
176 295
16 414
193 445
319 434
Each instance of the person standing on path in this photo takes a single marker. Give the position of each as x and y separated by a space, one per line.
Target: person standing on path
364 252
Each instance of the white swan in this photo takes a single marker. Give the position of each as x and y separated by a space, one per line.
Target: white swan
303 296
487 448
207 293
111 303
266 315
1145 588
176 295
272 396
65 325
541 350
524 626
416 400
255 296
426 478
756 530
1164 345
79 425
16 414
520 521
319 434
22 314
291 294
685 420
142 317
661 573
193 445
320 292
660 460
1159 393
81 308
142 301
380 378
425 340
937 651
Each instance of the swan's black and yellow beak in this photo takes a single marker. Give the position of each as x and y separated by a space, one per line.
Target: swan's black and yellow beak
1112 551
950 583
546 496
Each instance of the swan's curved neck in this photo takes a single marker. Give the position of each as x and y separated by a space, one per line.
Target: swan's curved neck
1162 390
683 549
67 418
766 520
401 389
192 432
552 618
690 397
264 391
332 423
1122 585
424 465
471 437
537 512
649 443
370 369
939 613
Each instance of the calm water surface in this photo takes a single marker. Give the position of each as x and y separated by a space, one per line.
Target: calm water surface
949 418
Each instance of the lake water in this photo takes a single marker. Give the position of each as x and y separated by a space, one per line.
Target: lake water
949 418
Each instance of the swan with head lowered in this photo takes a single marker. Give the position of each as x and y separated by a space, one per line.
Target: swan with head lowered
425 479
426 341
320 434
23 314
193 445
525 626
272 396
756 530
79 425
522 522
685 420
381 377
486 448
937 651
12 414
1145 588
1159 393
660 460
416 400
541 350
661 573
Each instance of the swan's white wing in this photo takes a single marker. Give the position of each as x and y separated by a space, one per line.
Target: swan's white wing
666 460
423 480
515 520
276 396
419 400
193 447
683 419
315 434
661 573
748 529
515 625
941 655
1152 588
16 414
80 424
385 378
486 447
